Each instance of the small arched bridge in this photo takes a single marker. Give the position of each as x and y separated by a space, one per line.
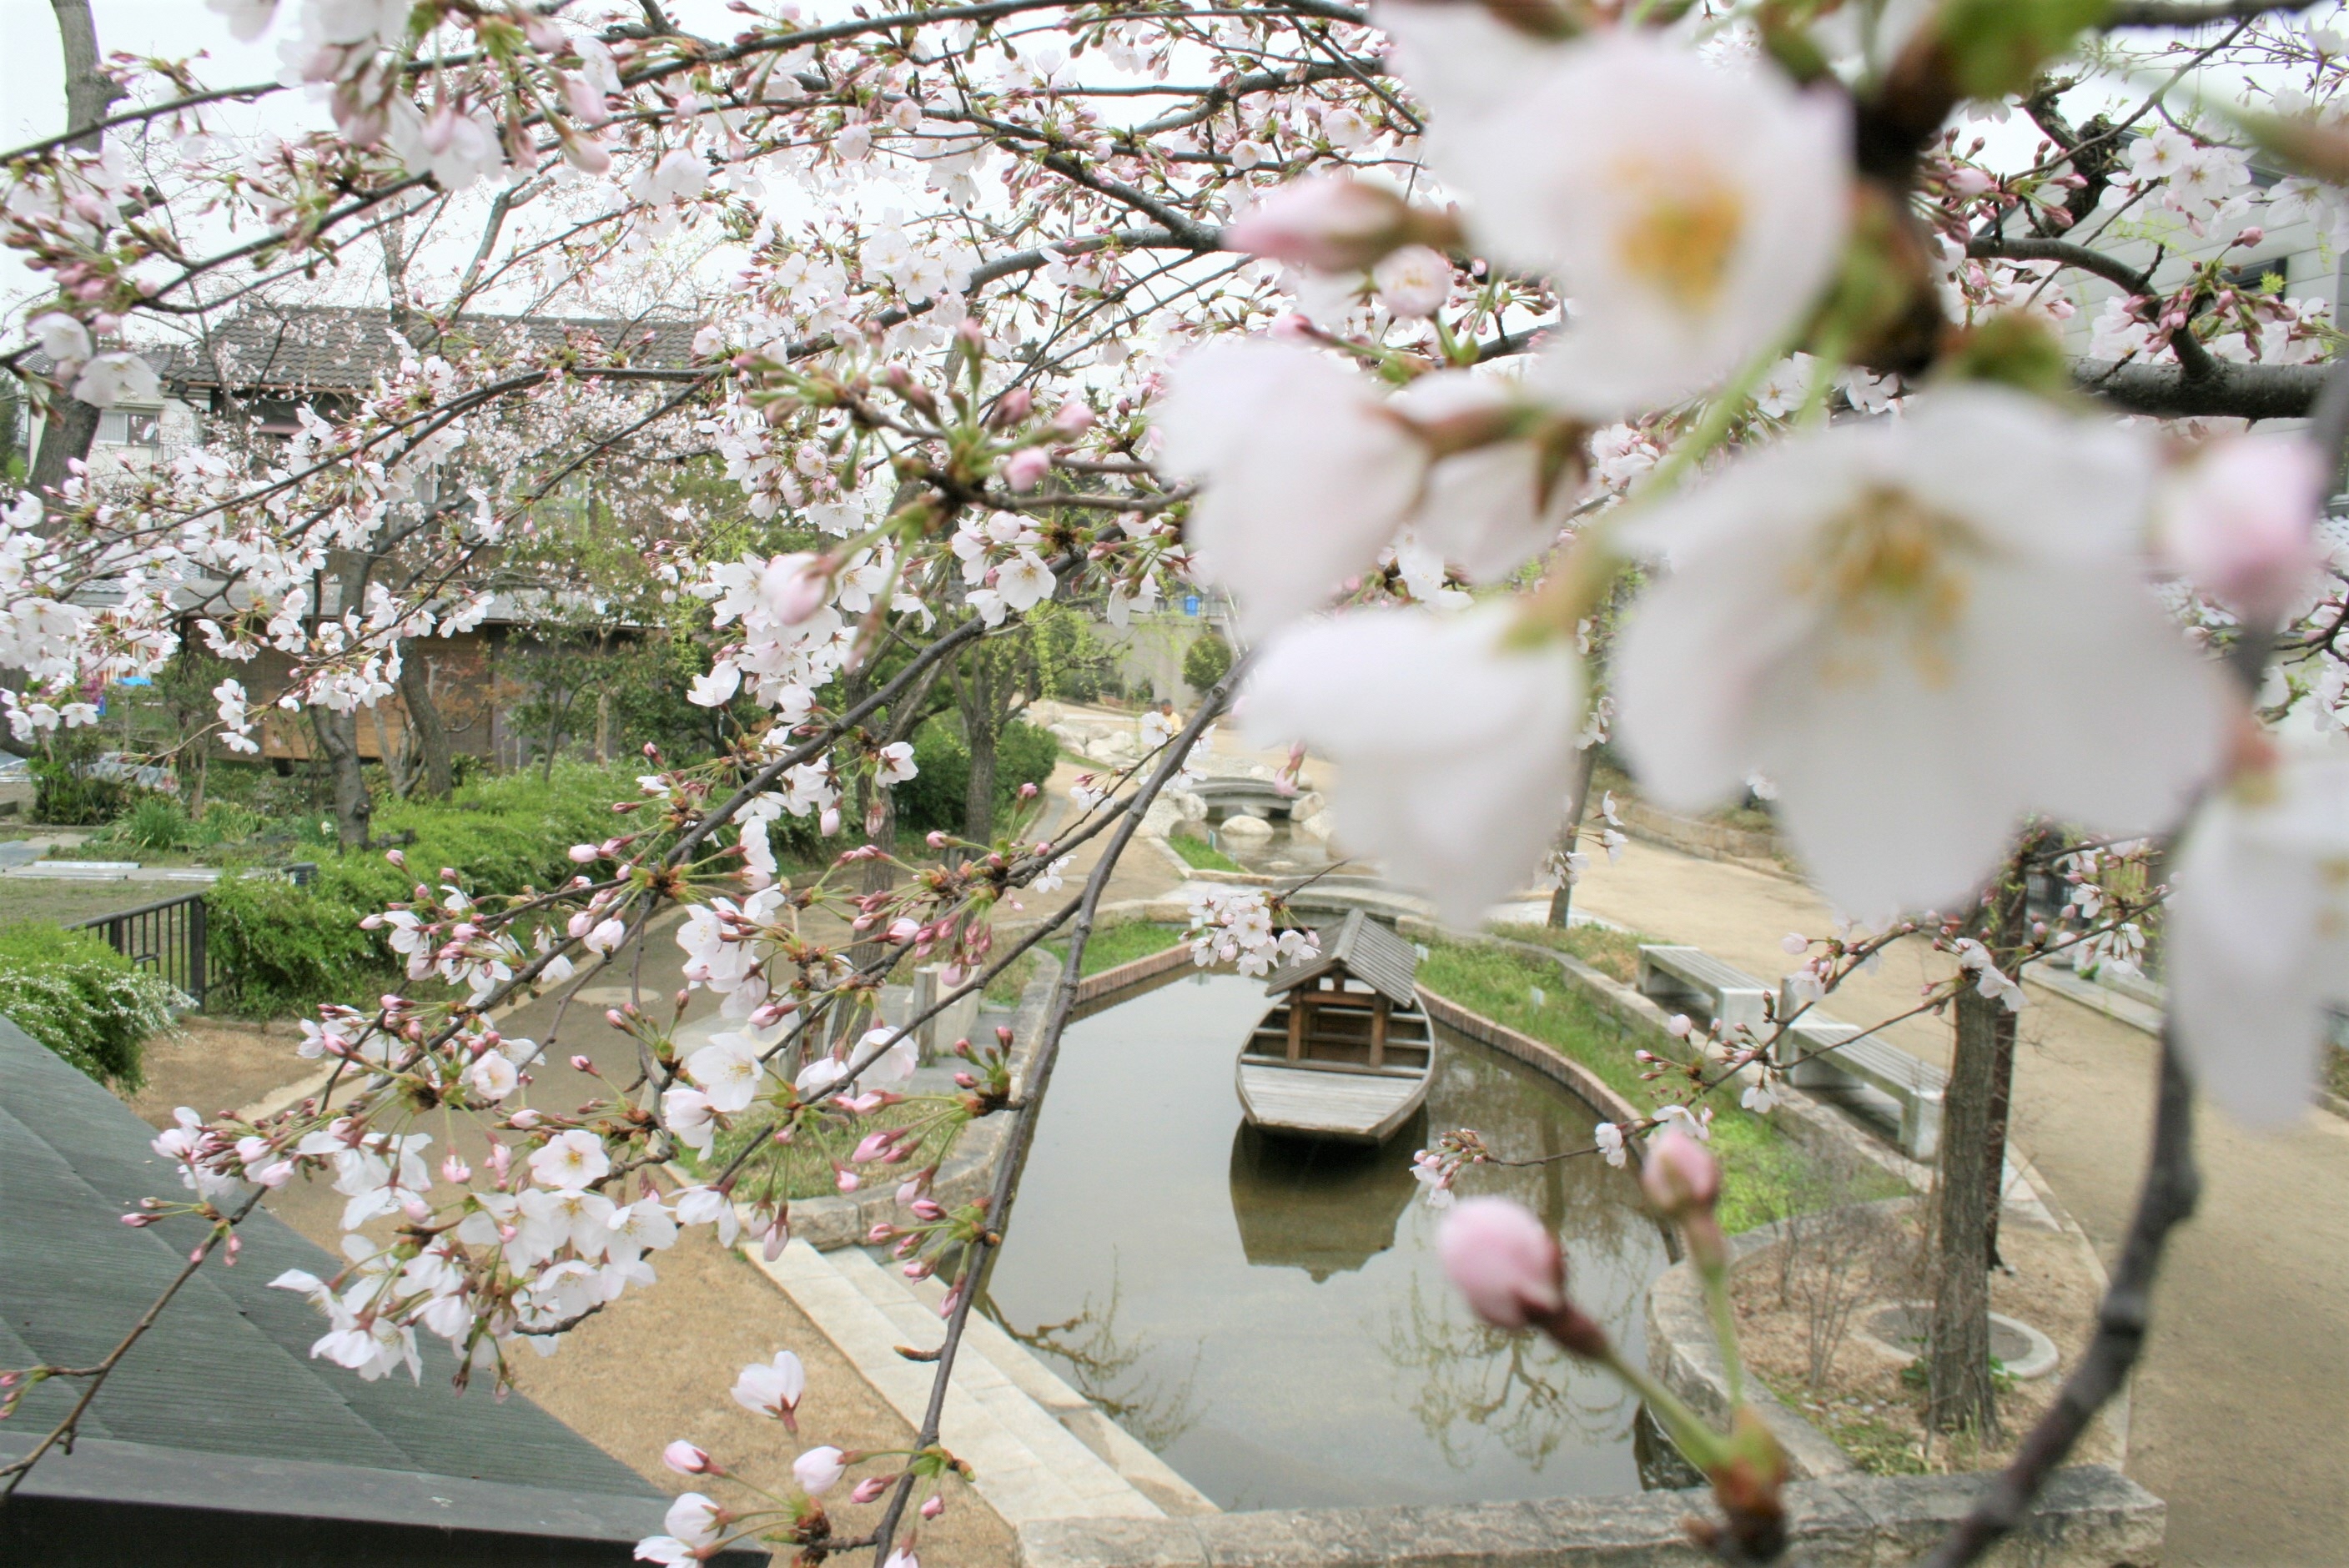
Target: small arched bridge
1238 795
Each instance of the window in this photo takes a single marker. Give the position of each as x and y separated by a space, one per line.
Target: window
2251 277
128 426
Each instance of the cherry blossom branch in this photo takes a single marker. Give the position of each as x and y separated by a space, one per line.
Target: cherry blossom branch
1039 1079
12 1475
2184 13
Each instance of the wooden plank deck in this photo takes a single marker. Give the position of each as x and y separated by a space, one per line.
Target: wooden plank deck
1362 1106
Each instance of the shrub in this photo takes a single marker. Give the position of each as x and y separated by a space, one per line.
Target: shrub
935 796
1207 661
65 792
88 1002
285 949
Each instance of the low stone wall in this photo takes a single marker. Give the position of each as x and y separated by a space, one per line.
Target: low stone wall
1714 840
2088 1517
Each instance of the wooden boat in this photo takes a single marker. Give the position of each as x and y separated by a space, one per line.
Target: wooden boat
1346 1051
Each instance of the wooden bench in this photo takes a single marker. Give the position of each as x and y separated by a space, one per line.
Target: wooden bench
1691 980
1829 1058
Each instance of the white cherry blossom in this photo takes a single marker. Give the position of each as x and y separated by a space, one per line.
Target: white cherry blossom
1694 211
2259 932
1454 749
1304 473
1868 617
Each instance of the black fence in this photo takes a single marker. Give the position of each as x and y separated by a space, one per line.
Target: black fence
169 938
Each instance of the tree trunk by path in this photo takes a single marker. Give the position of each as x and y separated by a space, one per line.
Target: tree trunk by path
338 743
1561 902
1959 1397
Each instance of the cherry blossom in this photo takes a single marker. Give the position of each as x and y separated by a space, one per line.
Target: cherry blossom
1694 212
1849 611
1454 745
1503 1259
772 1388
570 1160
2260 932
2236 518
1304 475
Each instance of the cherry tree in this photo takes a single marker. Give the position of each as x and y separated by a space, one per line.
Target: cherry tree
1696 375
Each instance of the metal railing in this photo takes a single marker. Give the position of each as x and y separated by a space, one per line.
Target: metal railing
170 937
166 937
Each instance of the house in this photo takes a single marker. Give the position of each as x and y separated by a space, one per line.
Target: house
256 371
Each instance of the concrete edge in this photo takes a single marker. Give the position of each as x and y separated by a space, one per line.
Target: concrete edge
2088 1517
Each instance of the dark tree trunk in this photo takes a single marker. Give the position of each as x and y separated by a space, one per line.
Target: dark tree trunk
1960 1395
978 800
89 90
1561 902
338 743
424 715
72 424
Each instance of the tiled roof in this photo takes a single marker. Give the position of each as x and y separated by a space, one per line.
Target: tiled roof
221 1406
313 349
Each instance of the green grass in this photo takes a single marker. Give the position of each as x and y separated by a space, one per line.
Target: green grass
1110 947
1763 1176
1201 855
1614 954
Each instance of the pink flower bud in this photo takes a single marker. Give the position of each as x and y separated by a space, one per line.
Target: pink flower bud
873 1146
1072 418
869 1489
938 839
396 858
1679 1174
455 1170
581 1064
1331 223
1503 1260
829 823
584 854
846 1180
1024 469
687 1459
1971 183
1026 791
932 1505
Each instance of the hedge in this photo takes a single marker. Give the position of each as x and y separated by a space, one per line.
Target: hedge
286 949
936 796
76 994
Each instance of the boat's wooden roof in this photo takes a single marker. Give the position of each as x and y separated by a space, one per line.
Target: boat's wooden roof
1365 949
1366 1106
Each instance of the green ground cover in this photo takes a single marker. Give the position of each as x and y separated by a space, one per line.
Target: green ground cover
1765 1175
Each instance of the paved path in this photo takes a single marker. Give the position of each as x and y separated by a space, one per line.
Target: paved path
2241 1405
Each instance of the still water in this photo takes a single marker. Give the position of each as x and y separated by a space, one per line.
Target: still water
1271 1317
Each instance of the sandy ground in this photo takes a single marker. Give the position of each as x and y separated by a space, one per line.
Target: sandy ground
218 1064
2240 1415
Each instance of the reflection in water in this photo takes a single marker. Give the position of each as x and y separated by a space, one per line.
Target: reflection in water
1103 1368
1276 1315
1323 1207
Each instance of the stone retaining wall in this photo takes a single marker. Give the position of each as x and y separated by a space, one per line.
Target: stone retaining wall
1713 840
2088 1517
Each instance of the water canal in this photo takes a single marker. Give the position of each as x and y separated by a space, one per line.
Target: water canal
1271 1317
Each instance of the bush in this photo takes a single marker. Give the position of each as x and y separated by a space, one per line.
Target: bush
285 949
1207 661
88 1002
935 795
155 823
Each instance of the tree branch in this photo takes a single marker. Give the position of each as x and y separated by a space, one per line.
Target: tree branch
2195 13
2229 391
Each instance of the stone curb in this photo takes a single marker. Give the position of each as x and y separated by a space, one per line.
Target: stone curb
2088 1517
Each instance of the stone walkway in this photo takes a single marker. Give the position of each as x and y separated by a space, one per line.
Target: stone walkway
2240 1417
